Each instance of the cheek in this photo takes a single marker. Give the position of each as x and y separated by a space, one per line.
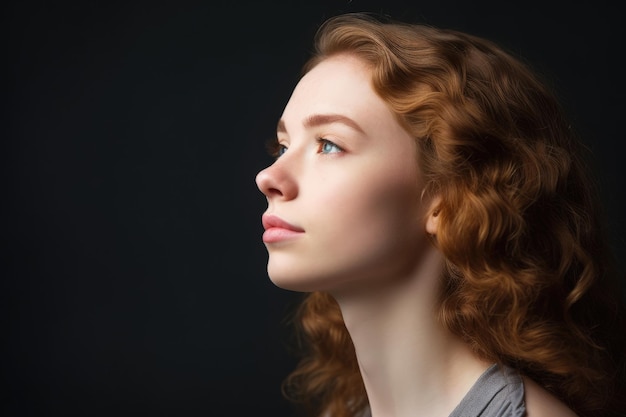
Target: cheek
362 224
379 214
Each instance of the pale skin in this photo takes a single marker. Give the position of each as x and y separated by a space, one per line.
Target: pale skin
348 181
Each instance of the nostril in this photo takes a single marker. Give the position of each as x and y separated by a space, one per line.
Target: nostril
273 191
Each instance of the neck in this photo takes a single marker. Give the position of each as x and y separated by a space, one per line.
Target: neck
411 365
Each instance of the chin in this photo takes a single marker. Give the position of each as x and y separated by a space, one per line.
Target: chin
288 274
300 281
292 283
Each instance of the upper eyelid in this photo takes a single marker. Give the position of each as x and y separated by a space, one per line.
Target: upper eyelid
324 139
321 141
274 144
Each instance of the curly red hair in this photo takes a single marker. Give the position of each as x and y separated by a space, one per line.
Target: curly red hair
526 282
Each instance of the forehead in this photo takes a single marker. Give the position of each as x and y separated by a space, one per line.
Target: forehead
340 85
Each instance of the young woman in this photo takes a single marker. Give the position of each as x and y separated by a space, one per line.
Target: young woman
432 202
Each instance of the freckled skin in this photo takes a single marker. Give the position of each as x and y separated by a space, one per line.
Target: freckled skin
357 198
358 202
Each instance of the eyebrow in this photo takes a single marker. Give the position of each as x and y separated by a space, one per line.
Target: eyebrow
322 119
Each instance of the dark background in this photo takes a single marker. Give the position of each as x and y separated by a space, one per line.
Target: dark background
133 274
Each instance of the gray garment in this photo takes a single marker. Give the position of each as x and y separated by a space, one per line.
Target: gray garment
499 392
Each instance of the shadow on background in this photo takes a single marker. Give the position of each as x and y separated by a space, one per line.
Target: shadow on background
133 279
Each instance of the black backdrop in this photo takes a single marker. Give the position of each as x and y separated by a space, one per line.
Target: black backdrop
133 276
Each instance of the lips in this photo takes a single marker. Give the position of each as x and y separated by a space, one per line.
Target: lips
278 230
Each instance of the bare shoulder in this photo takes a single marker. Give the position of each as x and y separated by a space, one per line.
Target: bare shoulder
541 403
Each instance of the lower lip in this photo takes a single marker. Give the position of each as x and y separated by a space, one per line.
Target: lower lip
278 234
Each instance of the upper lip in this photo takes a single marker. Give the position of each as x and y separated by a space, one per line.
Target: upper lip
270 220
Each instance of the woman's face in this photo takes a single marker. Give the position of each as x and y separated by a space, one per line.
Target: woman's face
346 184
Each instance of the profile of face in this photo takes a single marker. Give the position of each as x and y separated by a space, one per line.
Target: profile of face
344 195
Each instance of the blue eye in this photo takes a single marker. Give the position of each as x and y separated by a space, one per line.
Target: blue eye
280 149
325 146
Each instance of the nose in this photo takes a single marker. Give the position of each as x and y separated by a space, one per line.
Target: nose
276 182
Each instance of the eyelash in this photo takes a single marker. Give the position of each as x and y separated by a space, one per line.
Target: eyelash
321 142
276 149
